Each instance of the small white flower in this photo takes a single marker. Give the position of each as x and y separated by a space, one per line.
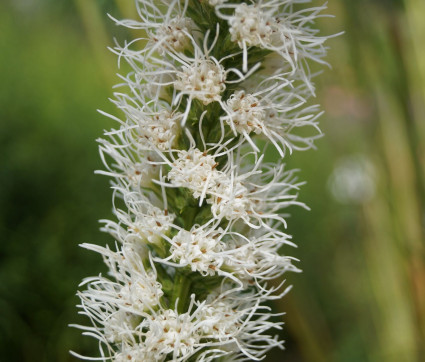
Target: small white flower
160 131
116 307
195 76
200 249
170 332
153 124
203 80
120 325
145 223
276 27
246 113
174 34
253 194
276 113
255 257
138 294
230 200
196 171
161 334
167 26
221 321
250 26
151 226
134 290
236 325
127 168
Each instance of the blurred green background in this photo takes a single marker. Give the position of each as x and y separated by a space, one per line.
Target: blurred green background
361 296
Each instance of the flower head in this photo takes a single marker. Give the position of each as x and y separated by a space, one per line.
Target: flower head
275 26
174 34
203 80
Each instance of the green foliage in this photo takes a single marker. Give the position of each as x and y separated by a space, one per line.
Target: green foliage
50 198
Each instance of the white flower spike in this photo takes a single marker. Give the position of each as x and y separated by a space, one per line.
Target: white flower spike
216 87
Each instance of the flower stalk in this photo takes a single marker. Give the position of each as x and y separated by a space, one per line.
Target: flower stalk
199 213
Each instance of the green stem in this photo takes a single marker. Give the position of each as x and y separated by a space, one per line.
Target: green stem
181 292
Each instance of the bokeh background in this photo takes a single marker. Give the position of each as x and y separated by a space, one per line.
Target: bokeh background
361 296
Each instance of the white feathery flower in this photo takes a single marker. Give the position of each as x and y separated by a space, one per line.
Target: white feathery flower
167 26
173 34
236 323
149 227
255 193
275 113
170 332
127 168
196 171
135 289
160 130
255 257
202 76
144 222
120 325
200 249
243 259
158 335
141 292
149 125
131 146
273 25
197 75
203 79
117 306
252 194
210 330
246 114
230 200
220 320
250 26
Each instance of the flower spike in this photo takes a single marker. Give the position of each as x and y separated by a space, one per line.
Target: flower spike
199 215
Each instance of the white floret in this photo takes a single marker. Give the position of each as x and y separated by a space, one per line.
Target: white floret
250 26
174 34
128 168
196 171
230 200
245 113
170 332
203 80
151 226
160 131
141 292
120 326
198 249
145 222
276 27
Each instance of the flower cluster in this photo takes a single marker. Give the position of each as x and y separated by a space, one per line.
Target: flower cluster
217 87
